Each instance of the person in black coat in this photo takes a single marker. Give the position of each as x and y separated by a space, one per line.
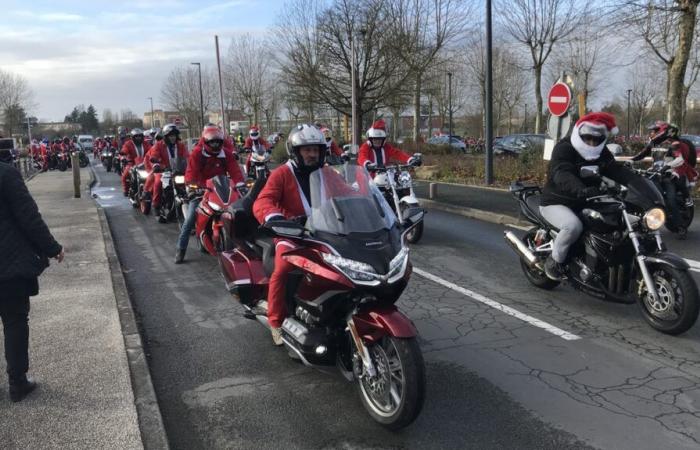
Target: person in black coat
26 244
565 192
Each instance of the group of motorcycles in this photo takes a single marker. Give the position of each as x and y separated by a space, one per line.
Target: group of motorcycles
60 160
352 263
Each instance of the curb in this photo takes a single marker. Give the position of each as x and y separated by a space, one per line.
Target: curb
153 435
473 213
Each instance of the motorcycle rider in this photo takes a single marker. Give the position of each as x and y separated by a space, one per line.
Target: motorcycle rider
680 160
565 192
286 195
376 152
122 137
167 153
208 159
331 147
135 150
254 139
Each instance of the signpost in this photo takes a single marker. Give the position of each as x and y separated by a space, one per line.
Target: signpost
558 103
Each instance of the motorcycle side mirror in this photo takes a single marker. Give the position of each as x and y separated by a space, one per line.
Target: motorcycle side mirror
590 171
284 228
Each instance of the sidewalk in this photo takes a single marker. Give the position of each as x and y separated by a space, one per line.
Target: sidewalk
77 351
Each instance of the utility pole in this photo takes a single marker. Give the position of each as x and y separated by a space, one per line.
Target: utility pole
449 101
152 118
224 125
525 121
489 98
628 114
201 96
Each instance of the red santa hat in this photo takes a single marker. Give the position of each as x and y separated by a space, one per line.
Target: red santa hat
378 130
379 125
599 120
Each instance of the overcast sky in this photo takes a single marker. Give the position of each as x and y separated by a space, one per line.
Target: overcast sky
115 54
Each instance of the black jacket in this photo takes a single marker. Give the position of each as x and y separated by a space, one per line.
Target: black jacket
25 241
564 184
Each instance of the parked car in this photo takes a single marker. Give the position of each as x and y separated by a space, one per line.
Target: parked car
694 139
514 144
85 142
453 141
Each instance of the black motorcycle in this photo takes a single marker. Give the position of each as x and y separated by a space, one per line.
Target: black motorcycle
136 192
174 194
107 158
686 206
619 257
83 160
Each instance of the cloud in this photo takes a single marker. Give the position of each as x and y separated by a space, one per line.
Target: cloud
60 17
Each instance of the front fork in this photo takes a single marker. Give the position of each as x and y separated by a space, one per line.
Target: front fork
362 350
641 259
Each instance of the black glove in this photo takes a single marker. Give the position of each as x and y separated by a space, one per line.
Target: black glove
370 166
591 191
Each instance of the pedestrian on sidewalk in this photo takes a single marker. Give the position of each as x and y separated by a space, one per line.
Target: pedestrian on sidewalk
26 244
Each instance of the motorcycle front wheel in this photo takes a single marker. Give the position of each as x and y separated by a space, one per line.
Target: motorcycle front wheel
394 396
62 166
676 308
144 201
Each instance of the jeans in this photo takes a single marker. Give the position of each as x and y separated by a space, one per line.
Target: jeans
188 226
14 313
570 228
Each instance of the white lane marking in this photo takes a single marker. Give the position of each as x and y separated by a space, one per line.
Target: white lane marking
556 99
503 308
694 265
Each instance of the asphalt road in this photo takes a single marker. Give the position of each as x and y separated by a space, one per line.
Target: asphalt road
508 366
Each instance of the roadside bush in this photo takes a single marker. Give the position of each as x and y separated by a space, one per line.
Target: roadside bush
471 169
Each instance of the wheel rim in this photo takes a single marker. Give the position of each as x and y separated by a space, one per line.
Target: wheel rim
669 303
385 391
535 272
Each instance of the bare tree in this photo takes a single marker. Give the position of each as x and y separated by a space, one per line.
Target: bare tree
16 98
538 25
645 89
315 57
420 29
247 70
668 28
180 92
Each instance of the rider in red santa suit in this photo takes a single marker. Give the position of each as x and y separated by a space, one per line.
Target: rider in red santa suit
378 153
135 150
331 147
286 195
253 140
166 152
208 159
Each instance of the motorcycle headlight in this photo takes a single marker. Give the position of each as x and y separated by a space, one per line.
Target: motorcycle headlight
179 179
143 173
214 206
654 218
355 270
404 180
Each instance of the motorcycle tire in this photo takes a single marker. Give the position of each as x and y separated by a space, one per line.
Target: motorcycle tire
678 283
83 162
109 166
62 166
407 353
144 202
534 275
687 214
225 242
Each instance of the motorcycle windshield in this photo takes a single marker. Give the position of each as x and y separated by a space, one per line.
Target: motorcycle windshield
345 201
643 194
222 186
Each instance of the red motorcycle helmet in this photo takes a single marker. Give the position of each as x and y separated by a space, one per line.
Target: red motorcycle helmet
659 131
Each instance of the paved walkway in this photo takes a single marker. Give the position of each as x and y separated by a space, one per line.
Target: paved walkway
77 354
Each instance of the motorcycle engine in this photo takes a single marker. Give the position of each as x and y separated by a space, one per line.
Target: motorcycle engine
306 317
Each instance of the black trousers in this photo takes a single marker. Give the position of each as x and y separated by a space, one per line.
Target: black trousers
15 322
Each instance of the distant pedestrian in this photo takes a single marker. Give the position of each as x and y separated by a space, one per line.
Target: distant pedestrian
26 244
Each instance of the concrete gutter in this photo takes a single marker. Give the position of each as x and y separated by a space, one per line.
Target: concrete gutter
474 213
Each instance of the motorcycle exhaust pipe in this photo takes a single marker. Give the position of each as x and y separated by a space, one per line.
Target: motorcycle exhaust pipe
517 245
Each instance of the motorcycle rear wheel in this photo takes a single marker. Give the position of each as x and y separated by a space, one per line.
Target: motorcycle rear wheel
678 304
395 396
534 275
144 202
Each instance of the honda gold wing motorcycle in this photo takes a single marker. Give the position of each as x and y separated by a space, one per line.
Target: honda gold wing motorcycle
620 255
352 264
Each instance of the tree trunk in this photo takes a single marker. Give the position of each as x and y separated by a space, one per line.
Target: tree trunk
395 125
416 110
430 117
679 64
510 120
538 97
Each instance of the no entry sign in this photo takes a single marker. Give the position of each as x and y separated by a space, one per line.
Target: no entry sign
559 99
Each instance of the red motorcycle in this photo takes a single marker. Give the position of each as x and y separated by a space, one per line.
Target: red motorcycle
213 215
352 266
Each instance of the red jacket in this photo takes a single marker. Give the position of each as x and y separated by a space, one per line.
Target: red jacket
129 149
680 148
335 150
281 195
161 153
366 154
202 166
261 141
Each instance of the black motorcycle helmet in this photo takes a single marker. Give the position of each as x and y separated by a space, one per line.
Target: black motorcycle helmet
660 131
302 136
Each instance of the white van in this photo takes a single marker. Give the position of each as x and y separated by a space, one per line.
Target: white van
85 141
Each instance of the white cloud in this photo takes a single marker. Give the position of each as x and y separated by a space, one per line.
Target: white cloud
60 17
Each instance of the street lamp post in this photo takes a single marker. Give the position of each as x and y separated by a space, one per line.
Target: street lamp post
449 101
628 113
489 98
152 118
201 96
525 121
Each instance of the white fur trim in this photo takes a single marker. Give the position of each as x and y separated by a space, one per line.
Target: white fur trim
269 216
586 151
